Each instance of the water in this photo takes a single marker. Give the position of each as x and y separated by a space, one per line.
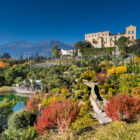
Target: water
18 106
21 101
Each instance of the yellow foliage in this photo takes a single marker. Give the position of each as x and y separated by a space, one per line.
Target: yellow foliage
121 69
88 75
65 90
137 58
117 70
47 101
14 65
105 64
111 71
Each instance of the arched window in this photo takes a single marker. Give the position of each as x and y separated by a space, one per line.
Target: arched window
128 32
132 32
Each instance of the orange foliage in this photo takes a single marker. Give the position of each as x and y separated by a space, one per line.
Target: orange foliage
123 107
3 65
32 105
56 115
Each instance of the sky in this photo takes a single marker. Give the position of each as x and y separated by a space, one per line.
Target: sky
65 20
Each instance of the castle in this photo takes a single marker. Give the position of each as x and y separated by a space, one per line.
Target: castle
106 39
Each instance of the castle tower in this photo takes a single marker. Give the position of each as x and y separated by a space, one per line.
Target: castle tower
131 32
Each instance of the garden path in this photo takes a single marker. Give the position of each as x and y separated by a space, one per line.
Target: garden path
98 106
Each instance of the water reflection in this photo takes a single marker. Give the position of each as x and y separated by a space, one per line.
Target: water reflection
18 106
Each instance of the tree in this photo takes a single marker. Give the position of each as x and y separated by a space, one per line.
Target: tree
136 48
87 44
94 42
6 56
122 44
19 80
56 52
79 45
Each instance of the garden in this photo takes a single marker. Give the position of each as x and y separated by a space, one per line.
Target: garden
63 110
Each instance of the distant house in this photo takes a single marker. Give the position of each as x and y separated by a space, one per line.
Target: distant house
67 52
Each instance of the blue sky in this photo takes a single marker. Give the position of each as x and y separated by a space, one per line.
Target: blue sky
65 20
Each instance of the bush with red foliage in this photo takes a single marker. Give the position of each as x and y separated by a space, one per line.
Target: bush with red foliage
123 107
58 114
32 105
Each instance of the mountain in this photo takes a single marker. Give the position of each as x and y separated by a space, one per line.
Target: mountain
21 47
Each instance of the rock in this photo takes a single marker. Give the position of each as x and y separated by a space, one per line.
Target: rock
103 118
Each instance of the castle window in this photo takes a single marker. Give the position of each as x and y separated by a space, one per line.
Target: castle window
128 32
132 37
132 32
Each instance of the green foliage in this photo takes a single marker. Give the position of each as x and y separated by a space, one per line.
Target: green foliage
6 106
83 123
56 90
56 52
122 43
11 73
118 131
136 48
18 80
127 83
18 134
21 120
97 51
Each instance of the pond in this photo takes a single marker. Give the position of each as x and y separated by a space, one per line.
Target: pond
21 101
10 103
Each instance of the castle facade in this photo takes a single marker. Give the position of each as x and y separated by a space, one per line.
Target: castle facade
106 39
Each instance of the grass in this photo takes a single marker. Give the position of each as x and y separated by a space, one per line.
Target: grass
113 131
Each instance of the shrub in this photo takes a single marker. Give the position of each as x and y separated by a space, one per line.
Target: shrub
56 90
101 78
85 97
21 120
49 100
32 104
5 89
121 69
117 131
65 90
14 134
111 71
57 114
123 107
117 70
83 123
88 75
3 64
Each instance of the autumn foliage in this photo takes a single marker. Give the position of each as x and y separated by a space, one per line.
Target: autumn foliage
32 105
123 107
56 115
3 65
117 70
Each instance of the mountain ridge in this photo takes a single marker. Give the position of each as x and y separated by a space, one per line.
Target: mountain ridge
26 49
